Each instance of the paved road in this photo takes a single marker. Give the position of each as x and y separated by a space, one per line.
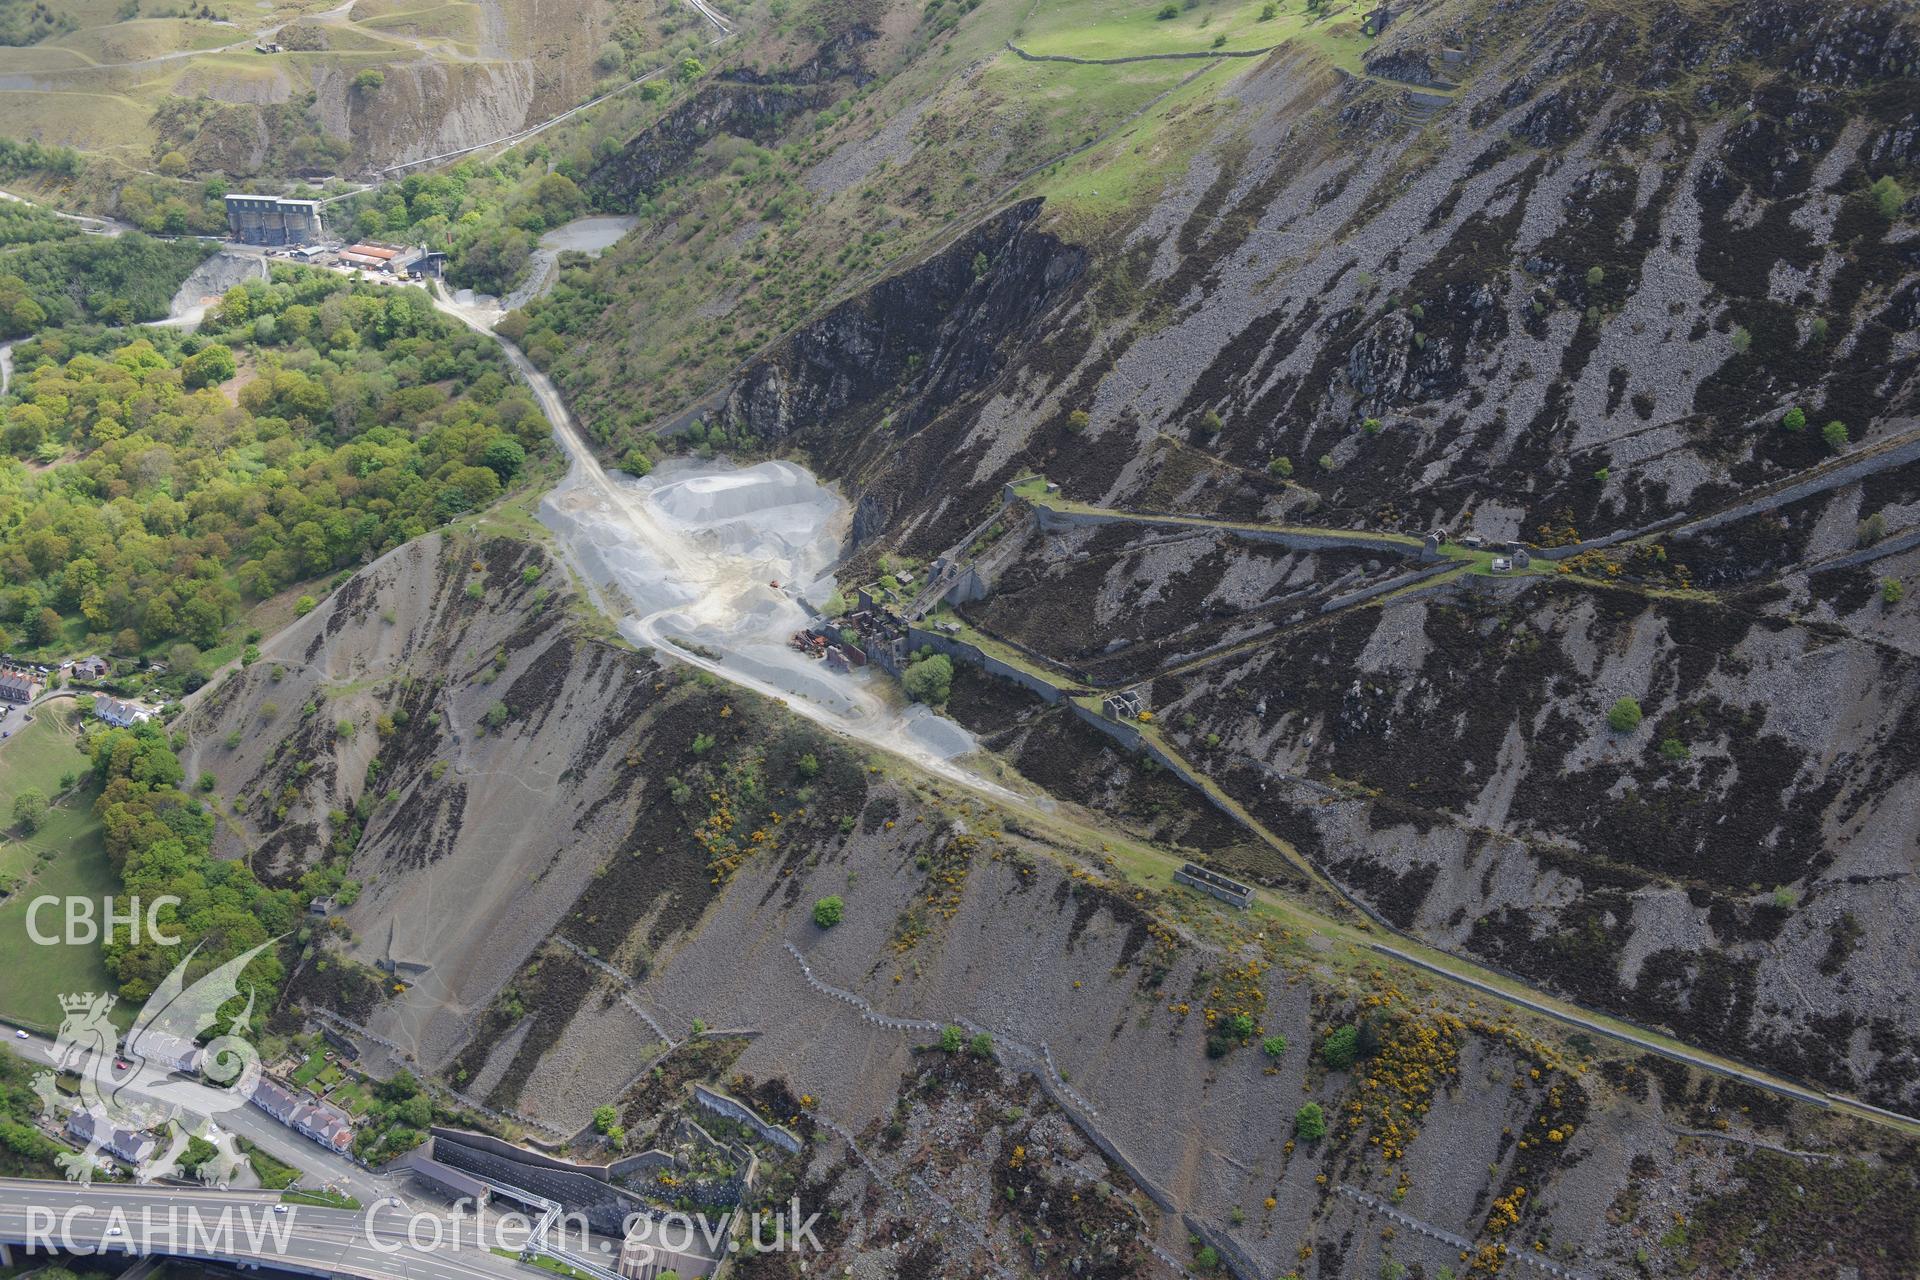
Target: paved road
246 1228
323 1167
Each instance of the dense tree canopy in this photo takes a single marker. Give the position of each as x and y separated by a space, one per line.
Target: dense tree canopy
22 223
315 425
487 214
160 840
24 1149
119 280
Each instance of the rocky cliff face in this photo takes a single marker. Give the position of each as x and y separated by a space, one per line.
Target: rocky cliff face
300 115
750 109
745 102
858 386
430 108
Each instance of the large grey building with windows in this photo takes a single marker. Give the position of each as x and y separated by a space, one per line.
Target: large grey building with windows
273 220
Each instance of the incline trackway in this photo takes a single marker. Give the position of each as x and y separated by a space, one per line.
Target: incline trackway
1441 964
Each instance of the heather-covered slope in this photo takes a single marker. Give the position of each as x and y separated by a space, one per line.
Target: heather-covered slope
1605 286
1582 295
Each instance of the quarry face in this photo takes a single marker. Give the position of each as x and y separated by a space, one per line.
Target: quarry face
723 564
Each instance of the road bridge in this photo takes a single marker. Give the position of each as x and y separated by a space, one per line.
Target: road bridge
248 1229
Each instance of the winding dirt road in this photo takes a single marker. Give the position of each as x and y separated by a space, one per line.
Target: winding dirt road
587 471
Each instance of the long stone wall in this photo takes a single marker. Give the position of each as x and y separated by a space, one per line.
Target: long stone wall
961 651
606 1208
507 1150
1053 520
720 1104
1141 57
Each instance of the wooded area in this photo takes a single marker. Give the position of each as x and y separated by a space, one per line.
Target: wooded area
158 482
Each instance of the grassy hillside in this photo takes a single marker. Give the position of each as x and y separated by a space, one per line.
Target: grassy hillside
63 858
155 90
1108 29
923 118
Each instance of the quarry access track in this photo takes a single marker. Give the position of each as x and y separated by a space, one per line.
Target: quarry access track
1140 57
589 478
1446 965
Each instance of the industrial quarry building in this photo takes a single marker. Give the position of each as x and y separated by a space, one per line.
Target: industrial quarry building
273 220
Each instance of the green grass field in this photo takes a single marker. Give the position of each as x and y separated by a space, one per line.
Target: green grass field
316 1063
124 42
456 22
81 118
38 57
1132 167
1131 28
1071 103
65 858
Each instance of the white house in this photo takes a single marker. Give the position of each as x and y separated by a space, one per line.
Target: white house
120 713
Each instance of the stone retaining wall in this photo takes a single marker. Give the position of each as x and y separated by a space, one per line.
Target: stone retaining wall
961 651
